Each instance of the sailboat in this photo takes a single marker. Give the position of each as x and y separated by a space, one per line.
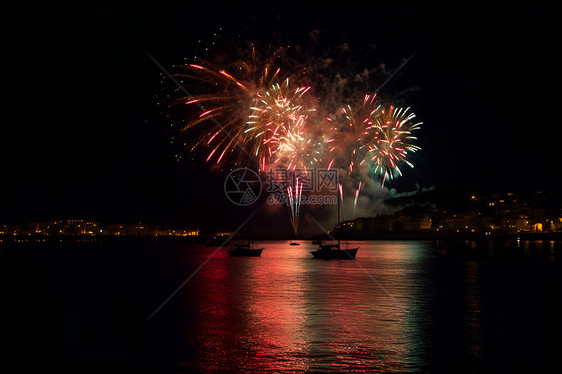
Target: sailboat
245 250
334 251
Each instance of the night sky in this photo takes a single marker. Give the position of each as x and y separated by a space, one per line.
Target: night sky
83 136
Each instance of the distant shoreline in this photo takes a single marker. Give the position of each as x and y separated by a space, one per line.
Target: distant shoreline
344 236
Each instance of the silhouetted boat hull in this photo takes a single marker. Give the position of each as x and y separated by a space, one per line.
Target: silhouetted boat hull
245 250
335 253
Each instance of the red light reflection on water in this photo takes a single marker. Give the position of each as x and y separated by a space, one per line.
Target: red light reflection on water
292 313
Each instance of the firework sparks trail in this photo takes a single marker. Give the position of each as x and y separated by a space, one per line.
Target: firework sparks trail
355 200
350 140
223 107
227 93
294 201
266 119
193 101
282 114
373 135
392 139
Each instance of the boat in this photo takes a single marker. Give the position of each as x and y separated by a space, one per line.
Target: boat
334 251
317 242
294 243
245 250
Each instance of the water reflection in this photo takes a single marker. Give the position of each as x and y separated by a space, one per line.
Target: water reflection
473 313
284 311
507 249
288 312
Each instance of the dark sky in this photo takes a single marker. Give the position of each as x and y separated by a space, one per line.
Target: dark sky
82 135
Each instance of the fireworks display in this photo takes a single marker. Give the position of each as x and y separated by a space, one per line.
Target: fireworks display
294 202
380 136
250 112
